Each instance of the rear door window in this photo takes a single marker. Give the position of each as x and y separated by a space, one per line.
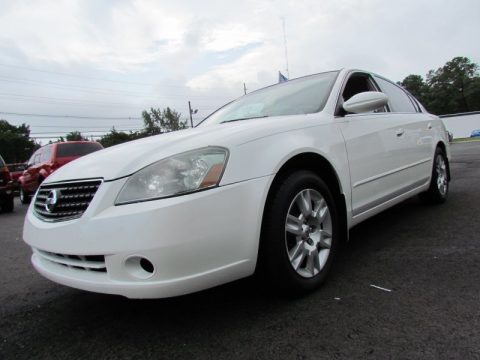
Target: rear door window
415 103
398 99
77 149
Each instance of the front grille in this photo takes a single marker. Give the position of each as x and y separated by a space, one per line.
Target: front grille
64 201
79 262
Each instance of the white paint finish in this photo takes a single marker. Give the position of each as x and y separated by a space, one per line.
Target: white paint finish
403 168
365 102
199 230
386 153
462 126
101 283
203 239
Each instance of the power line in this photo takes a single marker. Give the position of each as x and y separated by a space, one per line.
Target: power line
61 101
103 91
56 84
68 101
71 116
83 132
53 137
106 127
97 78
75 75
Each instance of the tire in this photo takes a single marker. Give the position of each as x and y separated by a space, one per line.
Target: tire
24 197
7 206
299 241
437 193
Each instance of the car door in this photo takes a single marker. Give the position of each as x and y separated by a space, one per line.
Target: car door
378 146
417 138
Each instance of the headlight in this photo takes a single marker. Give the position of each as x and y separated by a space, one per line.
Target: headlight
179 174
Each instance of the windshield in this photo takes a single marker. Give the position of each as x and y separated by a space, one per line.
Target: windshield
77 149
305 95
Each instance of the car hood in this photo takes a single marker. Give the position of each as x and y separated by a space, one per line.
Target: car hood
124 159
127 158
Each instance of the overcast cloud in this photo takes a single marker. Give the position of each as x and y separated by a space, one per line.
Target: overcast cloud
116 58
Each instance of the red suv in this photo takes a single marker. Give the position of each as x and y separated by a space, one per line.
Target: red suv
49 158
6 192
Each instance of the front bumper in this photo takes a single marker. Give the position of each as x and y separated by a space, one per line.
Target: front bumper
194 241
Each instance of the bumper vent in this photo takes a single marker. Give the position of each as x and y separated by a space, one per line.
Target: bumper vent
64 201
79 262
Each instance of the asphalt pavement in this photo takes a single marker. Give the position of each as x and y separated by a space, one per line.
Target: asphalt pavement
428 256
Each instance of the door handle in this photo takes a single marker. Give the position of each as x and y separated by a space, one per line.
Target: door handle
400 132
429 126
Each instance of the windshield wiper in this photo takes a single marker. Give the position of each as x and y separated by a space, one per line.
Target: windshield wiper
245 118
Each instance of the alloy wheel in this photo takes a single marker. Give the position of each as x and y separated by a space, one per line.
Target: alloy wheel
308 233
442 177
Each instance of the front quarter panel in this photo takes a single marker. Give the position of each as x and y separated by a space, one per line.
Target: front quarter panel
264 156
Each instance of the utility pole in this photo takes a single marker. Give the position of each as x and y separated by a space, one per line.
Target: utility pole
244 89
191 113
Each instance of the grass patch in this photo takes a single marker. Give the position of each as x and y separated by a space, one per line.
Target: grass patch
460 140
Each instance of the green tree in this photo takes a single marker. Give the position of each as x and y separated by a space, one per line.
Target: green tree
155 122
115 137
75 136
158 121
454 87
418 88
15 142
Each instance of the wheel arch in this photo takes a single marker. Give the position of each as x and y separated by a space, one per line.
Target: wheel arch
442 146
323 168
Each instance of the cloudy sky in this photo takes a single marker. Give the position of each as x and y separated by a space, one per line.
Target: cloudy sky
95 64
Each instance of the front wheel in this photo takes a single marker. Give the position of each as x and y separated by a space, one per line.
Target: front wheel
300 233
438 191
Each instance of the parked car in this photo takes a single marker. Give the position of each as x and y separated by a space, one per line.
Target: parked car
475 133
271 182
6 192
48 159
16 170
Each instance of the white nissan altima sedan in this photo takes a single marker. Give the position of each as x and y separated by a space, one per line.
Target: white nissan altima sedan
270 182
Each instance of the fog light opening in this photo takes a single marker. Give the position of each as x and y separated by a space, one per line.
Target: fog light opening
139 267
146 265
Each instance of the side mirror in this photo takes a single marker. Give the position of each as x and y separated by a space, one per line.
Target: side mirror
365 102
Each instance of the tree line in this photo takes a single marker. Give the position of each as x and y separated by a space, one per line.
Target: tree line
16 145
452 88
155 122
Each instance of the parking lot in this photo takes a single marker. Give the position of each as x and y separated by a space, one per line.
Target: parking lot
428 256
